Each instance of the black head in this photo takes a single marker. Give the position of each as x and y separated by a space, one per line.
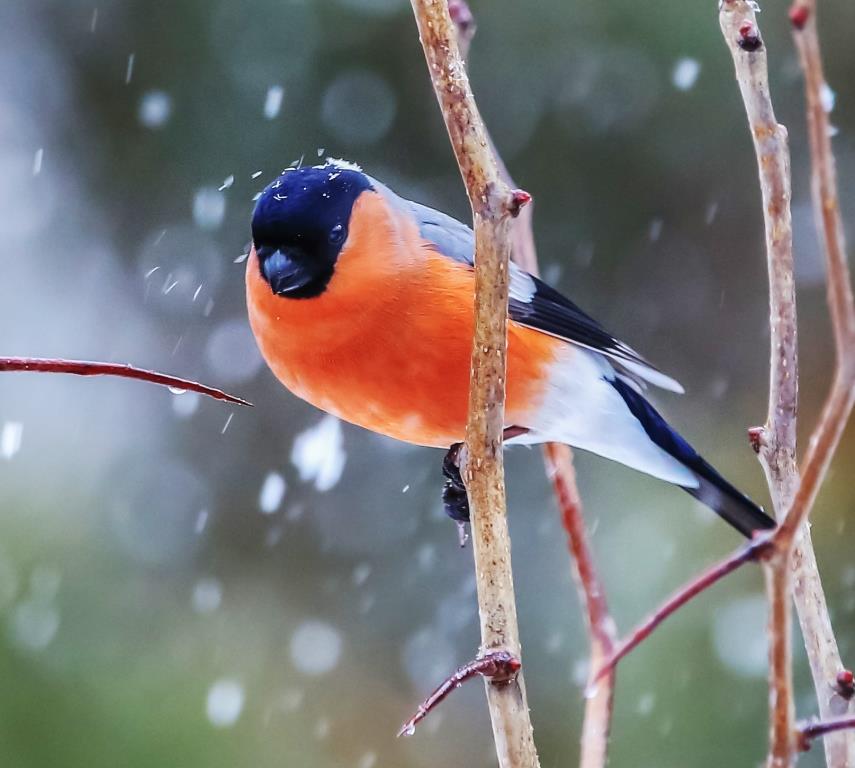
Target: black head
300 225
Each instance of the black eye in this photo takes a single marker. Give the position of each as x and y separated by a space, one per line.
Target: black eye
337 234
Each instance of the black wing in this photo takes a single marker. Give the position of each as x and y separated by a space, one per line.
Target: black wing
543 308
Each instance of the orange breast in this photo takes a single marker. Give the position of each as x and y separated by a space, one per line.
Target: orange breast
387 345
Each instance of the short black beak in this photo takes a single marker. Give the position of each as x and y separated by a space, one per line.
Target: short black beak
285 269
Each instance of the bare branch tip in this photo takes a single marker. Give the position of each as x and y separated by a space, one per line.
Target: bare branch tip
845 684
799 15
749 37
518 200
463 18
757 438
120 370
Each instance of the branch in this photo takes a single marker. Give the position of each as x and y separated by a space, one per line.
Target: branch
497 667
777 441
820 642
493 203
793 498
790 495
824 178
88 368
807 732
559 468
601 627
754 551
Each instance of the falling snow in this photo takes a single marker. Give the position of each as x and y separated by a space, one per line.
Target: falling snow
207 595
155 109
739 636
360 574
827 97
231 352
224 703
273 101
209 208
685 73
272 492
11 437
33 624
316 647
645 704
359 106
318 454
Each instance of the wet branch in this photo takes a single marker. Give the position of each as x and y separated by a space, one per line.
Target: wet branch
89 368
493 204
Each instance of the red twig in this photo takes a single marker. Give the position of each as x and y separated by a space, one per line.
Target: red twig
820 642
751 552
497 667
601 627
813 729
89 368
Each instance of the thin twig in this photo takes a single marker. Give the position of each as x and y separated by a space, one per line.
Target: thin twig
89 368
820 641
813 729
601 628
493 203
752 552
824 177
497 667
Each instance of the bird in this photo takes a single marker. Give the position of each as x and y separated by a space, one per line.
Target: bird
361 303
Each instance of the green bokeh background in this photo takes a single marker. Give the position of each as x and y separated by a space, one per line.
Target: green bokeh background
124 610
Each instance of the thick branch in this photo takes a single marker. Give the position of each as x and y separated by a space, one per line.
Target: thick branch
559 468
492 204
778 440
88 368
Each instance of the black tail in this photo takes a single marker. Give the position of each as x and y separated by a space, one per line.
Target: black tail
713 490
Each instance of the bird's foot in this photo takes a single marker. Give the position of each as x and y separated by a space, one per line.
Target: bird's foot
454 499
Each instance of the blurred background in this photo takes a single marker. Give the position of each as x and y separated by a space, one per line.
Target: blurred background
187 583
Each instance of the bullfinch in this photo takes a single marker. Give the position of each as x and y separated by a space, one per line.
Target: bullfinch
361 304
